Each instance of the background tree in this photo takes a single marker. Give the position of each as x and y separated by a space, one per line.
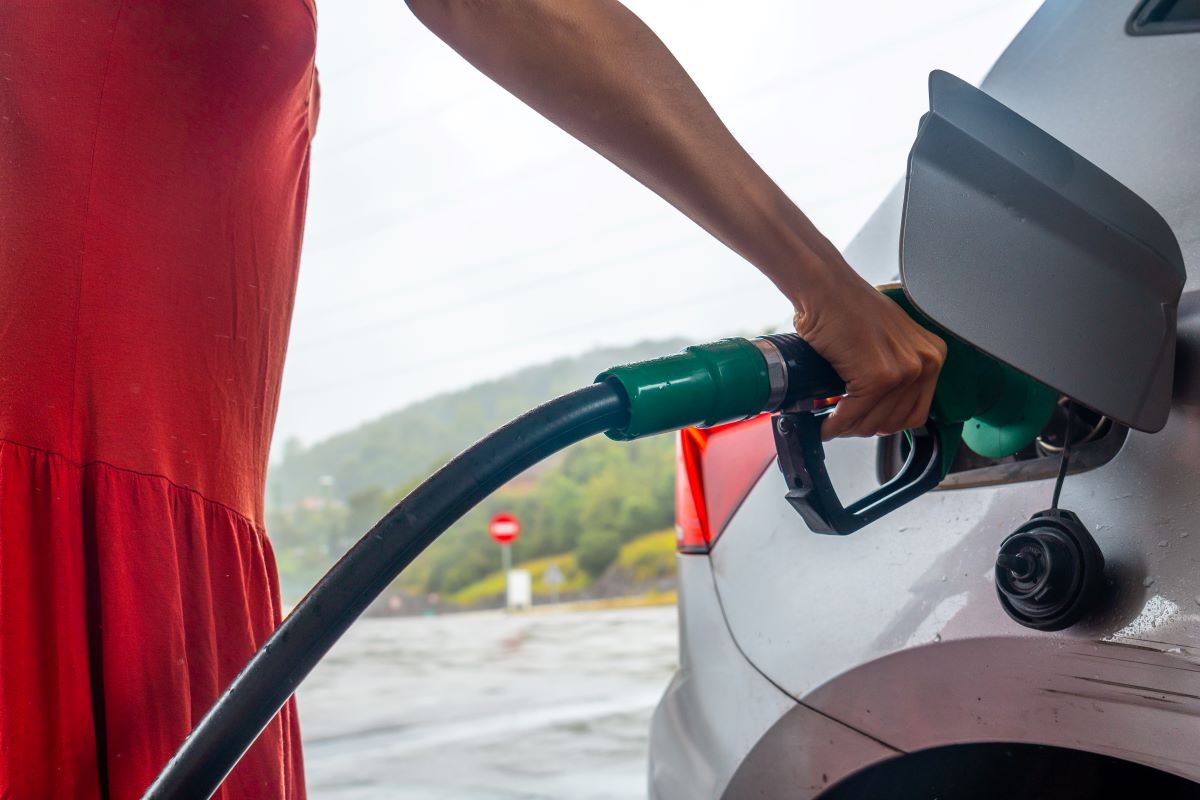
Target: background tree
597 551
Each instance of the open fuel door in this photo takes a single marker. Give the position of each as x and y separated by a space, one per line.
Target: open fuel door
1018 245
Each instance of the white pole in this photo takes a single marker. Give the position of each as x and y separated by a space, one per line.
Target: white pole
506 556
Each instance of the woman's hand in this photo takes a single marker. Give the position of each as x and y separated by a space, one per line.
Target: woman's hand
889 363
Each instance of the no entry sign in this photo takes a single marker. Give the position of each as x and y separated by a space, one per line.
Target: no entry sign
504 528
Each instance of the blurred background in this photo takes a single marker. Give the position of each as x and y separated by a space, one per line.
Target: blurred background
465 260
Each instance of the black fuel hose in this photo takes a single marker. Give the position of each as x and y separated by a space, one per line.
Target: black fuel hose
319 620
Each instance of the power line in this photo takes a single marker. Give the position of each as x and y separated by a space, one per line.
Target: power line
477 189
628 259
491 294
480 267
392 372
622 227
527 287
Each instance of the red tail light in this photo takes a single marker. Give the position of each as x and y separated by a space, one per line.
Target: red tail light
715 468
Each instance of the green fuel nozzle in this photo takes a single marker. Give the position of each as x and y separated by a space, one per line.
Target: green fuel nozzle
724 381
979 401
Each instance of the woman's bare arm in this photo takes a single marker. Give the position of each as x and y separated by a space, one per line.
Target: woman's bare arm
593 68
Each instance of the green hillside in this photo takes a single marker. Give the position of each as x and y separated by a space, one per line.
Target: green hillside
405 444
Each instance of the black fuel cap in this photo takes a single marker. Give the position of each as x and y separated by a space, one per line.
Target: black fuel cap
1049 571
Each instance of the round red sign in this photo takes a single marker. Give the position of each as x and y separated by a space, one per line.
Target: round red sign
504 528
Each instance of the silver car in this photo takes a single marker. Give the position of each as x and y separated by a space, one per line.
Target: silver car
881 664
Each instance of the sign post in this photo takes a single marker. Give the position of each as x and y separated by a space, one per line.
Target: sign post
504 530
554 578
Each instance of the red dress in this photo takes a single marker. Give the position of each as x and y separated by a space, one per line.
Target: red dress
153 179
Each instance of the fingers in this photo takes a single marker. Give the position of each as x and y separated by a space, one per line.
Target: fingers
909 418
925 387
913 411
919 413
893 417
889 363
868 416
887 402
899 402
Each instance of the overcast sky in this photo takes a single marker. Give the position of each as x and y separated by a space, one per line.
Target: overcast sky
454 235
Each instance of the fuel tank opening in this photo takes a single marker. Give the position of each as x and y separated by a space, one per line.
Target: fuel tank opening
1095 439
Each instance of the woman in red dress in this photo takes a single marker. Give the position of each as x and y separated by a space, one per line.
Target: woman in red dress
153 179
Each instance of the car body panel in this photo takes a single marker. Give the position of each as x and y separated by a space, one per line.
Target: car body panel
896 631
718 707
1046 693
1120 698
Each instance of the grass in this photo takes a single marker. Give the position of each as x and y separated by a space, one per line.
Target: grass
644 559
650 557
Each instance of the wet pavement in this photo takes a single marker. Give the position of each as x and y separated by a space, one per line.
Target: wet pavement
488 705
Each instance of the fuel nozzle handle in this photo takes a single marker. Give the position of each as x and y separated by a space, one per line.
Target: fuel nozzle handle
800 377
735 379
725 381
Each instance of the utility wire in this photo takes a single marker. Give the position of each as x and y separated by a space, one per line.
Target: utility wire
393 371
621 259
633 223
480 267
488 295
525 175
